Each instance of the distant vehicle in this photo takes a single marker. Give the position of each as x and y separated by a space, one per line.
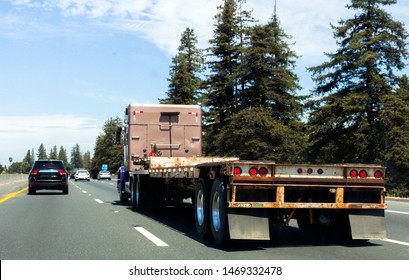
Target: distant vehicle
82 175
48 174
104 175
72 175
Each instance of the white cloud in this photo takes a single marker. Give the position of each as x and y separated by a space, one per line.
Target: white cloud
163 21
22 133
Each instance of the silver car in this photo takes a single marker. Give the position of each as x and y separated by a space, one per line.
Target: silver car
82 175
104 175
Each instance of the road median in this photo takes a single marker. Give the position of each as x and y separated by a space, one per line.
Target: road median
12 183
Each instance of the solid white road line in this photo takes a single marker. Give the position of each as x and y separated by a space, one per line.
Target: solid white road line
151 237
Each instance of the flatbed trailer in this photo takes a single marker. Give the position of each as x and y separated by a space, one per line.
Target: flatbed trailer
243 199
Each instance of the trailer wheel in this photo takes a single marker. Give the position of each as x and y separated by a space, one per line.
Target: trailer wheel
136 193
122 197
201 207
218 206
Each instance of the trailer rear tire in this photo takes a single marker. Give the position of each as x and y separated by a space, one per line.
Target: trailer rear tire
201 207
218 211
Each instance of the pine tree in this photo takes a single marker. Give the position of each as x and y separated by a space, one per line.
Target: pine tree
254 134
221 97
41 153
87 160
345 119
261 119
395 122
53 153
62 155
105 150
225 83
76 157
184 83
270 64
28 161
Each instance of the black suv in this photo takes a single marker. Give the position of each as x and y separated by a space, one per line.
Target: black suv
48 174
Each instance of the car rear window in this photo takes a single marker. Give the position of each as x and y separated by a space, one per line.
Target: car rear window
41 165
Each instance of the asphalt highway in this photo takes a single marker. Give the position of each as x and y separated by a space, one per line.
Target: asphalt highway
91 224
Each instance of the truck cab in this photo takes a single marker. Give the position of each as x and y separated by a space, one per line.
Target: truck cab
161 130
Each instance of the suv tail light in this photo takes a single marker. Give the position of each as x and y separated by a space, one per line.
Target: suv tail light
62 172
34 172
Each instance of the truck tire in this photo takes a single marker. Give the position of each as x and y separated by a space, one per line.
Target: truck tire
136 193
218 213
201 207
122 197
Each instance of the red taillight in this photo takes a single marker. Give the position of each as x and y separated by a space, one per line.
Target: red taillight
253 171
320 171
363 174
309 170
299 170
62 172
378 174
263 171
34 172
237 170
353 173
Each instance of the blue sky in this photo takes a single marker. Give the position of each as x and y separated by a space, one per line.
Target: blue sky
67 66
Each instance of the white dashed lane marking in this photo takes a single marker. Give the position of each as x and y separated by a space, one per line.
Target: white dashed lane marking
396 242
151 237
140 229
397 212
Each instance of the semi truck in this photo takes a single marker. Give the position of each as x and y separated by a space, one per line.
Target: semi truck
236 198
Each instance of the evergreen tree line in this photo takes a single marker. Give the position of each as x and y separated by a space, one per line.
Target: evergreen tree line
77 159
105 152
252 105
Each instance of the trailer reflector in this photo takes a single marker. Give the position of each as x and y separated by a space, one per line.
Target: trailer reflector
253 171
237 170
263 171
378 174
353 173
363 174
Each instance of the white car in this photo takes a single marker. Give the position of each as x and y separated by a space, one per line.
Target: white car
104 175
82 175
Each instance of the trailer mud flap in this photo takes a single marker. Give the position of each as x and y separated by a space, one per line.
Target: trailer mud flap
248 224
367 224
